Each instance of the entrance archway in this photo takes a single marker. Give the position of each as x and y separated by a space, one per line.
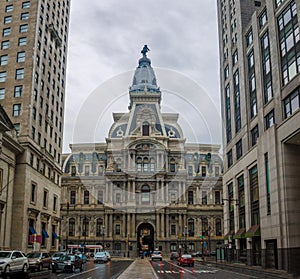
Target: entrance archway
145 237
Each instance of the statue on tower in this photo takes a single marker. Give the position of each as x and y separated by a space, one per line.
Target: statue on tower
145 50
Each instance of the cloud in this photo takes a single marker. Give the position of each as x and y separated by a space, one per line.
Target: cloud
106 38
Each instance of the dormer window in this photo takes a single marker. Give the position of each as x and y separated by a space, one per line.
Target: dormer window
145 128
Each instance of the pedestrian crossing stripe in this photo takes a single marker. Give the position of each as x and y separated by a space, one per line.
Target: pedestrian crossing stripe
182 271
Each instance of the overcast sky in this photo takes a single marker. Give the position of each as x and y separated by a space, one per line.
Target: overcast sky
105 41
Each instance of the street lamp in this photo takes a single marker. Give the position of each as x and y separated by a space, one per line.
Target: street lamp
185 236
84 221
103 233
67 229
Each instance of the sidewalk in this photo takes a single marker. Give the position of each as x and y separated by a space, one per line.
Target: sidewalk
139 269
249 270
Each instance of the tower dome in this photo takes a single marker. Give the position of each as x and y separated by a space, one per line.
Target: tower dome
144 77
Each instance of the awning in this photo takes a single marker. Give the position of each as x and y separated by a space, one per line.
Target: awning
239 234
45 234
253 231
32 230
229 234
55 235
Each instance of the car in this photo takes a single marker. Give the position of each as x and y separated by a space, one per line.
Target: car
39 260
186 259
13 261
100 257
108 255
67 263
174 255
57 255
156 255
213 253
197 254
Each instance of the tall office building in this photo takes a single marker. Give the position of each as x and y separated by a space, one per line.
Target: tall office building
260 65
32 92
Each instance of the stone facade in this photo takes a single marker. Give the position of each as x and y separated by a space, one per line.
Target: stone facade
32 92
260 108
145 188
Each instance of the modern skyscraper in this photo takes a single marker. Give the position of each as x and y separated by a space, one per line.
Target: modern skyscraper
145 188
260 65
32 92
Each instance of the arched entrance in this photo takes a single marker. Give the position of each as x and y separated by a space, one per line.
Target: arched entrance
145 237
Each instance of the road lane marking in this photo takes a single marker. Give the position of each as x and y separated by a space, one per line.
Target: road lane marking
83 272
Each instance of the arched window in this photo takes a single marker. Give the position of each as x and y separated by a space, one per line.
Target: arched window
191 227
139 164
99 226
145 194
72 227
152 164
218 227
145 164
86 197
145 128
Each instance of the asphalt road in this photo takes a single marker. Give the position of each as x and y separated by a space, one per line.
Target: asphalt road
110 270
170 270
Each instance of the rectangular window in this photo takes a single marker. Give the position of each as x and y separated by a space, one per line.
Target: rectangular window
24 16
252 84
217 197
239 149
54 203
190 197
32 132
17 110
203 171
237 106
5 45
254 135
263 19
23 28
21 56
118 197
266 67
249 37
291 103
7 19
235 57
26 5
9 8
269 119
173 229
45 199
228 113
3 60
226 72
22 41
2 93
20 73
18 91
289 42
254 196
31 159
204 197
118 229
86 197
229 158
100 197
2 76
33 193
73 197
6 32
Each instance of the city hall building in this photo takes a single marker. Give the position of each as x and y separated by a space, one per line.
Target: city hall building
145 188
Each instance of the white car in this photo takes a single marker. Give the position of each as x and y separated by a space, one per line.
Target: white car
13 261
156 255
100 257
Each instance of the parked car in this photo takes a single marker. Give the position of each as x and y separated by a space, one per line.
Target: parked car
68 263
186 259
156 255
39 260
100 257
57 255
13 261
213 253
174 256
197 254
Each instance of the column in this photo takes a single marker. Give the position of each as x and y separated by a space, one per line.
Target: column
133 225
106 191
167 192
129 224
106 224
162 222
157 225
124 225
197 195
167 226
110 224
180 224
162 190
133 190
